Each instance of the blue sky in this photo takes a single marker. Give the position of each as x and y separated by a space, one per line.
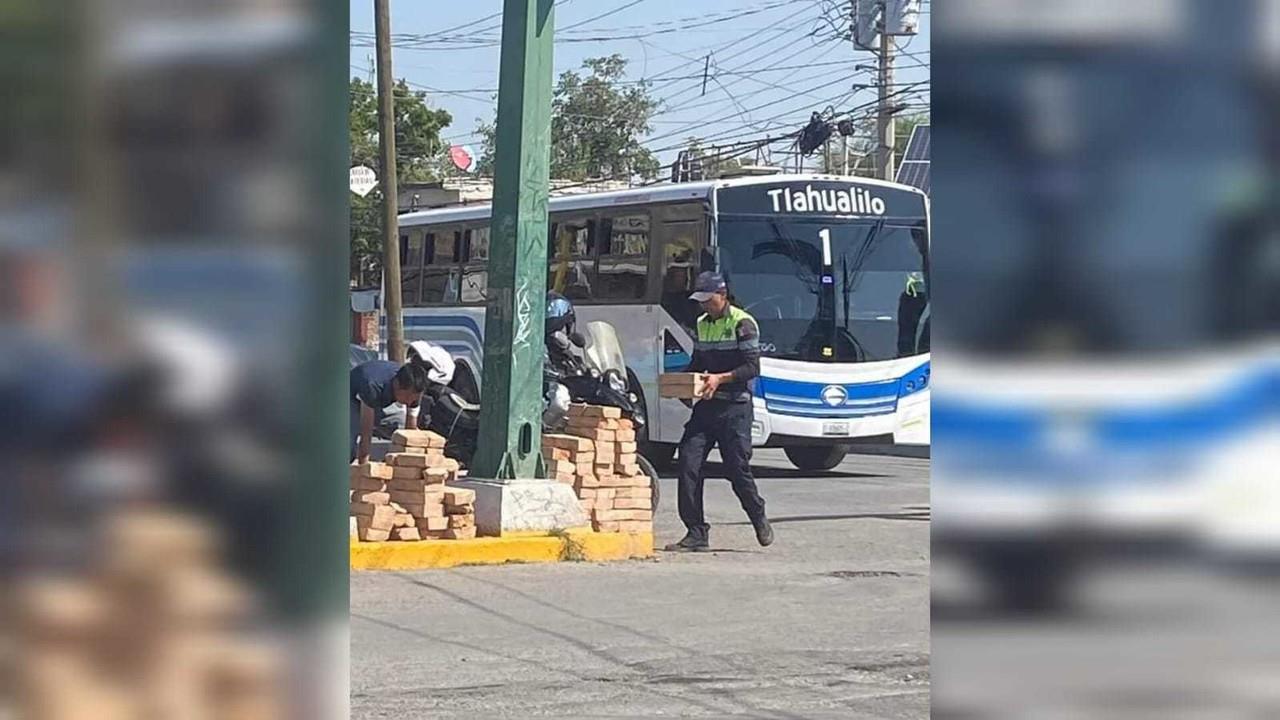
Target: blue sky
745 99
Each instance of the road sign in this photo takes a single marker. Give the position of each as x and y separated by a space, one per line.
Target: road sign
464 158
363 180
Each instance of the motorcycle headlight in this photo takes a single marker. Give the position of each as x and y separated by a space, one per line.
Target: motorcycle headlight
617 383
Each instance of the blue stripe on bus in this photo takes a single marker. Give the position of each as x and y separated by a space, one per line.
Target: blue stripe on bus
804 399
1246 403
440 321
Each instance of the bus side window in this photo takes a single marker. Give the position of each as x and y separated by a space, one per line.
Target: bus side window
474 281
624 257
440 274
571 270
410 267
680 257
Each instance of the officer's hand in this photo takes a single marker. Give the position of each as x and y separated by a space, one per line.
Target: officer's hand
711 382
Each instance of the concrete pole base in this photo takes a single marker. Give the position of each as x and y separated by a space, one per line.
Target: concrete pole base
506 507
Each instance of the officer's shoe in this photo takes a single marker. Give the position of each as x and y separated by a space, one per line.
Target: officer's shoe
764 531
690 543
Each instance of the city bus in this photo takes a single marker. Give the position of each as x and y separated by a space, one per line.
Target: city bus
834 269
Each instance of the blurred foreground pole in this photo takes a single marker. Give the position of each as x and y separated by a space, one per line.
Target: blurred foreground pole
511 414
390 190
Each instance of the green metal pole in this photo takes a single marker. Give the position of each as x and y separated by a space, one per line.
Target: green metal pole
511 412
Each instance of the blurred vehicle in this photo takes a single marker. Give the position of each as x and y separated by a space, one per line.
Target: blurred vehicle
1111 297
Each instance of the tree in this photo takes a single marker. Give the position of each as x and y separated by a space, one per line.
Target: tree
596 125
418 158
715 163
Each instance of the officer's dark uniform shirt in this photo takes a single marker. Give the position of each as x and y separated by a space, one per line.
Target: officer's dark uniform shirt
371 383
730 343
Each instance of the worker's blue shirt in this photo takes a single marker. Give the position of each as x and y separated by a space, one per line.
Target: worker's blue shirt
371 383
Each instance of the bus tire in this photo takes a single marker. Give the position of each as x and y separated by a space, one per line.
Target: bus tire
817 457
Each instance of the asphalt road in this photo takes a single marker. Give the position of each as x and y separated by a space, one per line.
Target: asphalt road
832 621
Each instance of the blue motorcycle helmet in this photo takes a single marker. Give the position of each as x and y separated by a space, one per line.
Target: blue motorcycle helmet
560 314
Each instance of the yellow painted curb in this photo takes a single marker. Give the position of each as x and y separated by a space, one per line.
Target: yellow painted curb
580 545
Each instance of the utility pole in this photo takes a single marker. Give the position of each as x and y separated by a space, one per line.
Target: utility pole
511 414
387 150
884 114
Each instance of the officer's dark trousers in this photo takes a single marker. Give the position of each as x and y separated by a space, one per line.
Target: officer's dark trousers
728 425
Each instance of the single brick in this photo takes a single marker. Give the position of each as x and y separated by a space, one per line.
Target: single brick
406 533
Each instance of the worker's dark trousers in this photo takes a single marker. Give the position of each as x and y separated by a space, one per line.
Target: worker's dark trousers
727 424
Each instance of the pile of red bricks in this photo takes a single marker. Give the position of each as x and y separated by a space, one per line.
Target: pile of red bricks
407 497
596 454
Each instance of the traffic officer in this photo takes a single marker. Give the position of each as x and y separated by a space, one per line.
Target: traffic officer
727 351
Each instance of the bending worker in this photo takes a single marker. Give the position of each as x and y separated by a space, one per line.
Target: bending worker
728 352
375 386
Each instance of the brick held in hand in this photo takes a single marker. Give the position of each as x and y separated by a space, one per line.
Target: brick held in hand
370 534
407 533
372 498
418 438
468 533
459 496
432 524
466 509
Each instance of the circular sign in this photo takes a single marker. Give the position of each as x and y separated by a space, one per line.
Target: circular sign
363 180
463 158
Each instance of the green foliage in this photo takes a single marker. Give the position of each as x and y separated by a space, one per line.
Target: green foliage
596 125
419 153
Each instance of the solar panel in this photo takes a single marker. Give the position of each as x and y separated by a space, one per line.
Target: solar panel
918 144
914 170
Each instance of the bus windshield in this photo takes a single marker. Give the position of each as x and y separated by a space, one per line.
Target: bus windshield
830 289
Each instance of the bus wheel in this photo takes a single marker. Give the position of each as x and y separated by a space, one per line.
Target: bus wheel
816 457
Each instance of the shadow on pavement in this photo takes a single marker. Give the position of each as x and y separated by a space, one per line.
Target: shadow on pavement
917 515
715 471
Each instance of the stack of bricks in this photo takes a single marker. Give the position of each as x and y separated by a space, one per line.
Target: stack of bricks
407 497
596 454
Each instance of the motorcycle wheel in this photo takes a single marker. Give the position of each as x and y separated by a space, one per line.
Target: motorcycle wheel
647 468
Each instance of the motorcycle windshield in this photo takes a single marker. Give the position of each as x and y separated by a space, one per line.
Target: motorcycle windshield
604 350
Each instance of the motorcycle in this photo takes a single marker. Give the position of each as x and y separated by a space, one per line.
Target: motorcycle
578 369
